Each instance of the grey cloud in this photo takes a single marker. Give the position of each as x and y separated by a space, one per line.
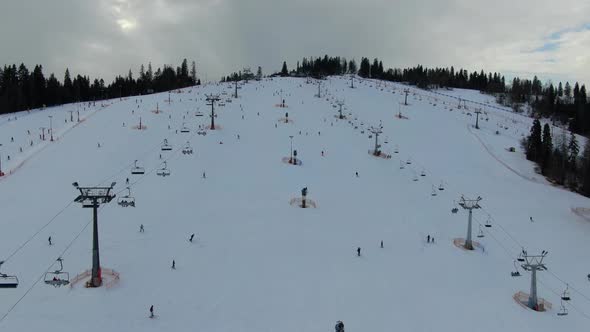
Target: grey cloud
108 37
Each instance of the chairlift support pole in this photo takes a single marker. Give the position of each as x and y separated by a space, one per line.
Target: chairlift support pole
469 204
534 263
340 103
376 131
406 91
477 113
93 197
211 99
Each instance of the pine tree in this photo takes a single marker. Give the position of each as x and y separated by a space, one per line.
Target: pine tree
567 92
259 73
193 73
365 68
547 145
352 69
560 90
572 152
586 169
284 71
534 147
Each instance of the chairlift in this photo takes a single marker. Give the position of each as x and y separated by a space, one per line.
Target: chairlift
562 310
409 161
187 149
415 177
401 165
58 277
396 150
520 257
7 281
488 223
166 146
455 209
164 171
433 192
198 113
516 272
137 170
441 187
480 234
566 294
423 173
126 200
184 129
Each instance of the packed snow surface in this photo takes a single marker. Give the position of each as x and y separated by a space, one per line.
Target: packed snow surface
258 262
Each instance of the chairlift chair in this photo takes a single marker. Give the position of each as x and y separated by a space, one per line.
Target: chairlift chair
566 294
562 310
480 234
7 281
520 257
126 200
409 161
58 277
516 272
401 165
441 187
137 170
164 171
433 192
185 129
488 223
423 173
396 149
166 146
187 149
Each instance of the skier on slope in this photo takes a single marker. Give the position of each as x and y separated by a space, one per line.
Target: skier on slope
152 311
191 238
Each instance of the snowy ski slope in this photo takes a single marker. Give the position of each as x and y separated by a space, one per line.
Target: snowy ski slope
261 264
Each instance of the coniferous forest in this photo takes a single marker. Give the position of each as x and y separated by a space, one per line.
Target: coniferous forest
22 89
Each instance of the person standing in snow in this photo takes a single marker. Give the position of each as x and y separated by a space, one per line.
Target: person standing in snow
381 243
141 228
173 265
358 251
49 239
191 238
152 311
428 239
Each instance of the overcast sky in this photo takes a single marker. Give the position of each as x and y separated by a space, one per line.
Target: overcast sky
108 37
